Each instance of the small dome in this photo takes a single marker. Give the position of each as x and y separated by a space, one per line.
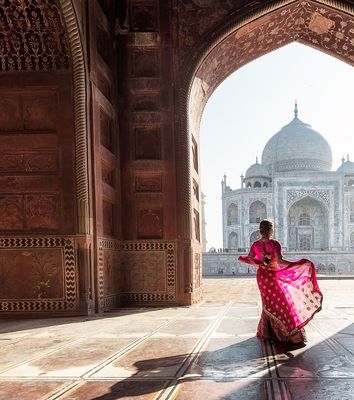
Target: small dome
257 171
297 147
347 167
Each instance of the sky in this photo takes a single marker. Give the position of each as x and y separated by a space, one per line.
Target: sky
256 101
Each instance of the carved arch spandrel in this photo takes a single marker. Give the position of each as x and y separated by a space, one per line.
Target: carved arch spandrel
202 73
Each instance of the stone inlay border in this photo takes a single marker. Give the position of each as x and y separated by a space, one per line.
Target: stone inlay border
105 302
170 250
67 245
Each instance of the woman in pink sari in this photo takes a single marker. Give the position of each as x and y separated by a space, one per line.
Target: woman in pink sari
289 290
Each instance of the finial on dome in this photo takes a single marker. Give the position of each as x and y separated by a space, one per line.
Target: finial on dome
256 160
347 157
296 110
343 159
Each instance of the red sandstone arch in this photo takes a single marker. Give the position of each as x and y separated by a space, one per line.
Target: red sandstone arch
325 25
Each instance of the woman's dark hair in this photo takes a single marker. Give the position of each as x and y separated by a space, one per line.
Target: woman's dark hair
265 226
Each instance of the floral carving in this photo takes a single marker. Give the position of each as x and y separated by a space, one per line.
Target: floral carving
295 195
43 269
32 36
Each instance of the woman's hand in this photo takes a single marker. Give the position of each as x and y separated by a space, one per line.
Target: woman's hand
273 264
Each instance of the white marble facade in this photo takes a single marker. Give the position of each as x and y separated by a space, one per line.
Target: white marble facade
311 205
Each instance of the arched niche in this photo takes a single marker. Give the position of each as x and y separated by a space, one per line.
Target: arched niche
308 225
232 214
233 241
257 212
255 235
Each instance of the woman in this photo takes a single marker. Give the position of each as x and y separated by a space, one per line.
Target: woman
289 290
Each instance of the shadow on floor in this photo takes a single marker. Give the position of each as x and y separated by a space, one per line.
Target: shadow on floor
240 360
15 325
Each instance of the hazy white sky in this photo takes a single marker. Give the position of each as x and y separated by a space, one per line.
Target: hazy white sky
257 101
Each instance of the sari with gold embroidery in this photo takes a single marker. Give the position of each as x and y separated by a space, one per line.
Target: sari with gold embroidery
290 294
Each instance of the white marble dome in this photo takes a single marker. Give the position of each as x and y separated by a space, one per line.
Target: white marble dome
297 147
257 171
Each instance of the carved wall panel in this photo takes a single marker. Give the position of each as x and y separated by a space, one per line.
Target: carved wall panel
146 102
108 218
108 175
10 111
145 63
30 211
147 143
104 86
150 224
28 110
42 211
106 131
104 45
109 274
148 183
36 158
144 16
39 111
149 272
29 162
12 214
49 265
32 36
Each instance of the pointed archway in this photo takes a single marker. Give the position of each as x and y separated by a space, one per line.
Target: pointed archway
324 25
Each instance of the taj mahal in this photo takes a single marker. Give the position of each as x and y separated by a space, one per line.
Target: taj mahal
293 185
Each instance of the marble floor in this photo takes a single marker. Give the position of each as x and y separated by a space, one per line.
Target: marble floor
205 352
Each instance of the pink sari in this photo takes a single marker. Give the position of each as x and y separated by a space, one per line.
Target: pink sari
290 295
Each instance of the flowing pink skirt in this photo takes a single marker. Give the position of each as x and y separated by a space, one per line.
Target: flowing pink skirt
290 299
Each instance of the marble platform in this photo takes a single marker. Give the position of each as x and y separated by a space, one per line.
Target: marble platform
204 352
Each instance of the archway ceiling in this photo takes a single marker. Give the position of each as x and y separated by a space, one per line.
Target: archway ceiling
32 36
307 22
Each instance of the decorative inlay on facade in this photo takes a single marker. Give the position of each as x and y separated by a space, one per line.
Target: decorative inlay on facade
32 36
52 284
158 260
294 195
108 273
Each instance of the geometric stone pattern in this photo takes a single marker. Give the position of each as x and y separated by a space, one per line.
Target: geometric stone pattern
148 272
47 263
108 273
209 351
